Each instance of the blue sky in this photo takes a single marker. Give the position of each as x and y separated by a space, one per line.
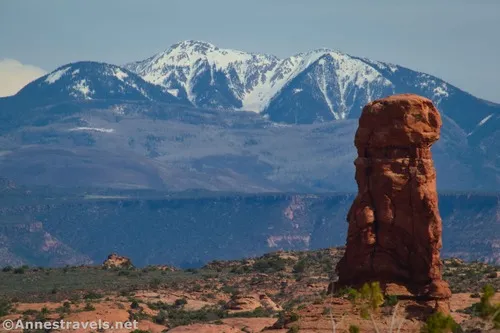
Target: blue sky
456 40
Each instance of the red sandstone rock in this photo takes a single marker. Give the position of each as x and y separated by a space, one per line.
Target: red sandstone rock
394 233
116 261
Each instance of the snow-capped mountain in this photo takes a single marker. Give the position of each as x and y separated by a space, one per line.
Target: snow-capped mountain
212 77
180 137
87 80
309 87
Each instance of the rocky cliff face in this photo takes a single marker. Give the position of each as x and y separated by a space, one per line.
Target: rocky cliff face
25 242
395 229
189 229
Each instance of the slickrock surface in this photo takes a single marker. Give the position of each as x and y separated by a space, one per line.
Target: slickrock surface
252 302
394 232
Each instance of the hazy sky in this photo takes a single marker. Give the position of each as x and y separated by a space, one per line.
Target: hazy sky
457 40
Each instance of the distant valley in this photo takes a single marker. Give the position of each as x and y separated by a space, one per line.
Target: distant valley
57 227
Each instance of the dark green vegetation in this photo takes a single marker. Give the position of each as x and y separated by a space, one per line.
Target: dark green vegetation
86 283
177 315
470 276
290 279
90 283
368 299
485 308
353 329
440 323
5 306
58 227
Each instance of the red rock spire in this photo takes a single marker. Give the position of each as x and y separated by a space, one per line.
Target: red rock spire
394 233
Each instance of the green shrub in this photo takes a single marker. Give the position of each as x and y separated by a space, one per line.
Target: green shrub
88 307
269 265
19 270
485 308
64 309
29 312
391 300
7 269
240 270
293 329
229 290
300 266
294 317
123 273
92 295
134 304
352 294
280 323
353 329
258 312
369 298
179 316
372 293
439 323
180 302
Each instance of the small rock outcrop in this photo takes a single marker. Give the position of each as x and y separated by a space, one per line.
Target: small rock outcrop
394 233
116 261
249 303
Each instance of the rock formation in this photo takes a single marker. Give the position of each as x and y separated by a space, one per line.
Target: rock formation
116 261
249 303
394 233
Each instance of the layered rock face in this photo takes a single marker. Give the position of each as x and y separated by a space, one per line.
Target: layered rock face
394 233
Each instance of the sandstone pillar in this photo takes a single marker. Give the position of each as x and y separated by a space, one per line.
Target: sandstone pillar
394 233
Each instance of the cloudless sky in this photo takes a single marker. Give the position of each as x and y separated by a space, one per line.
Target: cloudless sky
456 40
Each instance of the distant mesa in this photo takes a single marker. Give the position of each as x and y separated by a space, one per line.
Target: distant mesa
395 229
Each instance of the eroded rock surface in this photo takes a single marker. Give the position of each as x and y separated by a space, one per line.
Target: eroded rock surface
394 233
248 303
116 261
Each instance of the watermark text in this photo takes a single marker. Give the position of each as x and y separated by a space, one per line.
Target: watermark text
62 324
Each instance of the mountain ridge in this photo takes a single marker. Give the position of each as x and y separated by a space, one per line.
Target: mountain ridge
91 80
295 143
308 87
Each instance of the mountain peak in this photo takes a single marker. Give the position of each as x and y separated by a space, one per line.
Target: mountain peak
90 80
196 45
200 69
319 85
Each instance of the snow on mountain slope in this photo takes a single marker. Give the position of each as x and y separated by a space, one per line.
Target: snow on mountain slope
329 87
190 68
196 70
93 81
332 83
